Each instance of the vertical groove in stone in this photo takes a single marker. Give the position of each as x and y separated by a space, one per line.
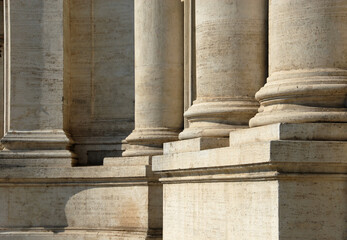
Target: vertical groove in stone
1 69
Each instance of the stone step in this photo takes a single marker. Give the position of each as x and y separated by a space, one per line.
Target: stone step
128 161
288 131
195 145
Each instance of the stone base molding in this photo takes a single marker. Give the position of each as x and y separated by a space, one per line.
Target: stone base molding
218 118
281 181
316 95
37 148
122 200
73 234
307 63
149 142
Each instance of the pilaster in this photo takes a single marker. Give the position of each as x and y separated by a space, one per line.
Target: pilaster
34 83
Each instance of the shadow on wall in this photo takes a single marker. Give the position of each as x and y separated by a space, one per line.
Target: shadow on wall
60 208
101 87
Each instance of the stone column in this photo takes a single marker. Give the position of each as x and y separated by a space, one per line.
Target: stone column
34 82
230 65
158 76
307 63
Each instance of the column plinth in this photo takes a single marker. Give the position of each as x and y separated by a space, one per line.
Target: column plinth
149 142
217 118
230 66
307 64
158 76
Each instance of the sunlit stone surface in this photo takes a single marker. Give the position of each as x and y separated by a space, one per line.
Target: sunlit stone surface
95 144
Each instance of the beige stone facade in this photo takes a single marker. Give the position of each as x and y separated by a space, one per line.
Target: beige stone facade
173 119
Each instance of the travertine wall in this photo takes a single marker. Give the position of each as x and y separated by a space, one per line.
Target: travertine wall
113 202
193 209
101 84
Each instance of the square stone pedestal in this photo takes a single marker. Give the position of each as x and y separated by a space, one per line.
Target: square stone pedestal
114 202
284 181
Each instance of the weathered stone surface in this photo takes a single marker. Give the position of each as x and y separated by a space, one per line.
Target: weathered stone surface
307 63
75 235
85 202
194 145
230 65
68 71
300 156
223 210
287 131
305 207
158 75
35 66
128 161
101 77
34 85
37 158
281 181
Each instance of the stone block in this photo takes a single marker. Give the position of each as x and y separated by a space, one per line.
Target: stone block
302 156
123 202
272 208
291 131
277 182
37 158
128 161
194 145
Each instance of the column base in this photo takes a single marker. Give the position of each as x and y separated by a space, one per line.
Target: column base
282 181
299 96
208 130
194 145
218 118
133 150
149 142
36 140
37 149
38 158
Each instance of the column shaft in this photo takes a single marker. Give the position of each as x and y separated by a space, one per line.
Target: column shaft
158 75
34 81
230 65
307 63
